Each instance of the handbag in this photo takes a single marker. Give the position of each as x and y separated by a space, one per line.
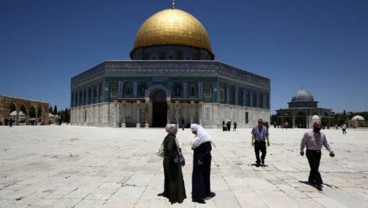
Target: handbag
179 159
161 151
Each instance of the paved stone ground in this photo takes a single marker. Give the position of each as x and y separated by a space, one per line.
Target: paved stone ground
86 167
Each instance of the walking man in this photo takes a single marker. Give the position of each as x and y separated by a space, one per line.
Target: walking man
313 141
344 128
259 139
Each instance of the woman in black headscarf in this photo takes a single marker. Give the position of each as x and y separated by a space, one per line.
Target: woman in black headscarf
174 188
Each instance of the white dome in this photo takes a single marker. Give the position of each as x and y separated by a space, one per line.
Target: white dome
302 95
357 117
14 113
315 117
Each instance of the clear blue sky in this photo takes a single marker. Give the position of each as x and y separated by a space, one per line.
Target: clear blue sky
321 45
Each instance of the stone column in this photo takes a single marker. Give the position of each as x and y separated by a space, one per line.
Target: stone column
177 112
123 125
27 117
17 118
200 113
146 125
36 121
168 112
116 116
191 111
138 125
168 101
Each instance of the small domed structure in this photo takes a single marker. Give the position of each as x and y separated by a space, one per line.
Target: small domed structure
303 111
315 118
358 118
358 121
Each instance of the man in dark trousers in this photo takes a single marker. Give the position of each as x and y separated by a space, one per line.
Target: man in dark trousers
259 139
313 141
11 122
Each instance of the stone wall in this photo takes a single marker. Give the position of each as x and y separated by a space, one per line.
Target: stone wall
118 114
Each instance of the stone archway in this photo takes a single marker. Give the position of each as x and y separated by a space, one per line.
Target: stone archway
11 104
159 108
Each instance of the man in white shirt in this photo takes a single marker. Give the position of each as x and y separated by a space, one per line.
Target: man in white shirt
313 141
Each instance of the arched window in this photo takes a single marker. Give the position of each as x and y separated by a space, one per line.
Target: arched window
114 89
254 99
207 89
90 95
247 98
94 95
240 97
80 99
193 90
84 96
232 95
141 89
222 93
178 88
127 90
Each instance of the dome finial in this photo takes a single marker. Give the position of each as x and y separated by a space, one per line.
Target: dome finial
173 4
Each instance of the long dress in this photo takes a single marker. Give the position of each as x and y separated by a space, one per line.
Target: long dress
174 187
201 184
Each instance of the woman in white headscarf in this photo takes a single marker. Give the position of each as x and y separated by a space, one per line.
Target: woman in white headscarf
202 146
174 187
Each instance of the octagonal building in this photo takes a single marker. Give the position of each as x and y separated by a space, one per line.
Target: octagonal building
303 110
172 77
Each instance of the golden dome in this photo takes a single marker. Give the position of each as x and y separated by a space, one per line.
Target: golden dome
172 27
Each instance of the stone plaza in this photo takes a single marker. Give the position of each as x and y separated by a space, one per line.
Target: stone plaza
75 166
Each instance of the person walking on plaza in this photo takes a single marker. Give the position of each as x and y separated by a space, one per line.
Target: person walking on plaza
235 124
174 187
259 139
201 176
313 141
344 128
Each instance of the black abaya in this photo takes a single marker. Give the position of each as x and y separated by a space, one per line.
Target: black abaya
201 183
174 188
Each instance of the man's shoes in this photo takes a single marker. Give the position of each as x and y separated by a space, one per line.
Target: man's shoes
319 187
212 194
161 194
262 162
200 201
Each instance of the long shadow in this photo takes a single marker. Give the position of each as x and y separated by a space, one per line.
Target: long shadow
310 184
315 186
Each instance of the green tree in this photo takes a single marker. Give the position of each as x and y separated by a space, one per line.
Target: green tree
55 110
65 115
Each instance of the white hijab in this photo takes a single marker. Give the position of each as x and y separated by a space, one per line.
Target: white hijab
201 137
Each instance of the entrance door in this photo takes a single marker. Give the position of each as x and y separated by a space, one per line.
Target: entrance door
159 109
